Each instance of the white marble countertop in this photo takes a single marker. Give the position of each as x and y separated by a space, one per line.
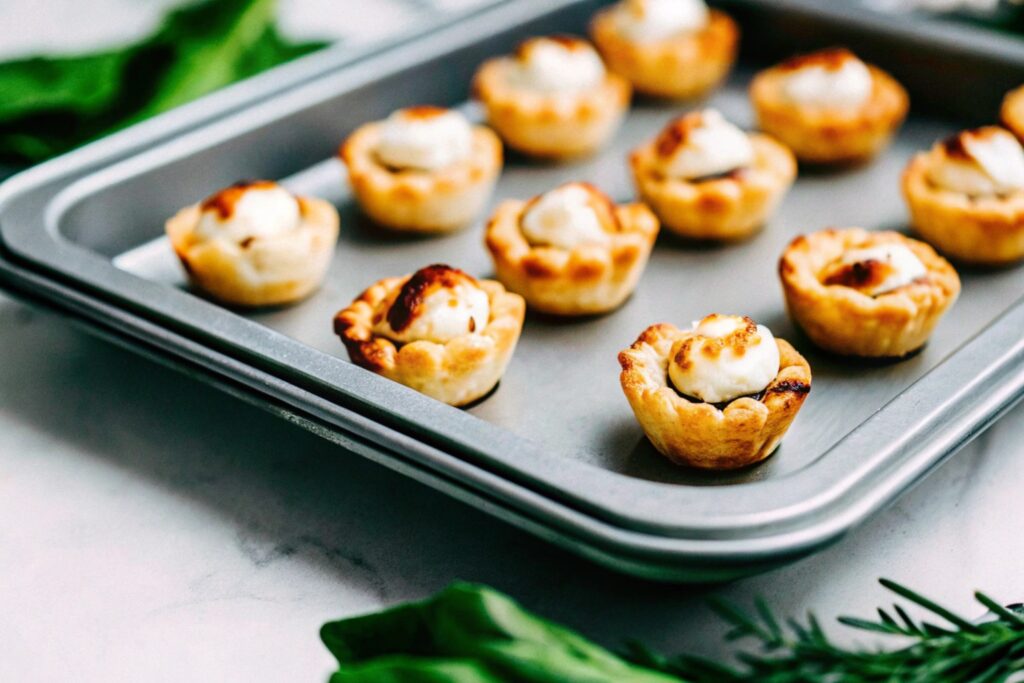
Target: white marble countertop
152 528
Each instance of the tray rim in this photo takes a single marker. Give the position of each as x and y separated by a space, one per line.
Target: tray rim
802 501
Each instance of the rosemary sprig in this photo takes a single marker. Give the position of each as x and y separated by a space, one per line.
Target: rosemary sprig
958 651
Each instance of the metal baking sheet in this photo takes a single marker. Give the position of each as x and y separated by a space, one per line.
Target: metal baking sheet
558 426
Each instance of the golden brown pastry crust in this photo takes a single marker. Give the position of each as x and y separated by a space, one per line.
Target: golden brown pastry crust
727 208
980 230
260 271
745 431
413 200
554 126
1012 112
685 66
588 279
829 136
455 372
846 321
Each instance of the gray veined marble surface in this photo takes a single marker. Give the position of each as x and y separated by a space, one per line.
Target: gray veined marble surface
152 528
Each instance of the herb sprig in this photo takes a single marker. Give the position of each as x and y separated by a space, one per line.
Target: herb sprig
958 651
473 634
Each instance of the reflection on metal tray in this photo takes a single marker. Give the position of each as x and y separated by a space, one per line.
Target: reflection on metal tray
557 441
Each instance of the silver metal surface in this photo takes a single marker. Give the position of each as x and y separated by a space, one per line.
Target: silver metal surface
557 442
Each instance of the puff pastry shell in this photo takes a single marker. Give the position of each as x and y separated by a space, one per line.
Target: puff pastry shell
846 321
550 125
440 200
827 135
587 279
456 372
260 271
730 207
744 431
985 230
685 66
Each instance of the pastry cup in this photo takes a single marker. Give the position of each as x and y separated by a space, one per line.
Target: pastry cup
741 432
978 230
830 136
441 200
553 126
685 66
730 207
588 279
455 372
846 321
1012 112
260 271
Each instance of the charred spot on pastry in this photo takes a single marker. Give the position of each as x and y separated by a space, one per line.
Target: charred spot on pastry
830 59
866 274
790 386
247 242
224 201
674 135
954 147
411 295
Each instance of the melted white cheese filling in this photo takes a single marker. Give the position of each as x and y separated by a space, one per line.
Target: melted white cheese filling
843 83
705 369
444 314
564 217
555 66
263 210
710 146
901 266
985 161
651 20
424 138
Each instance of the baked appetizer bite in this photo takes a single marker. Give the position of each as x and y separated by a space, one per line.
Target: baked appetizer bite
255 243
553 98
1012 112
667 48
966 196
438 331
571 251
829 107
861 293
423 169
707 179
717 396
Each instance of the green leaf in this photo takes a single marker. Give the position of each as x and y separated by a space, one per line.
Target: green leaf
51 104
471 634
38 84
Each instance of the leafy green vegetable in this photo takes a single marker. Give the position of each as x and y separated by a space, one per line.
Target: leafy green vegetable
51 104
472 634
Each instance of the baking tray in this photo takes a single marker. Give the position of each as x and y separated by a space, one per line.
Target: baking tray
556 443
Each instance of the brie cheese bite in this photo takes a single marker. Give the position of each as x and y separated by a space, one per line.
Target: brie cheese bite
438 331
829 106
966 196
870 294
707 179
667 48
423 169
719 395
552 98
571 250
255 243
